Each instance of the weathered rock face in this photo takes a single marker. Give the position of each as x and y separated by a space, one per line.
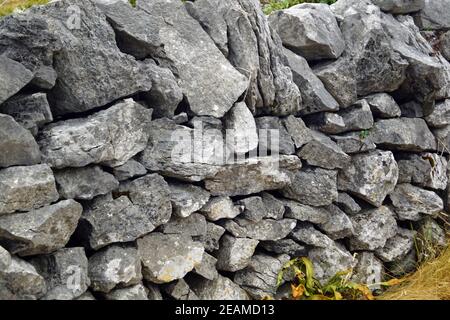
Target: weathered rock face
110 137
26 188
309 30
168 257
17 143
40 231
370 176
65 272
188 149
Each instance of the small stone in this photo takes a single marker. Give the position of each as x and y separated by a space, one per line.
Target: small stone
284 246
339 225
42 230
17 144
259 279
273 136
330 260
354 142
404 134
219 289
45 78
26 188
403 266
59 270
114 266
254 208
305 233
440 117
313 186
357 117
323 152
242 135
370 176
398 246
412 109
368 270
298 131
430 230
383 106
310 30
194 226
445 42
187 198
14 76
84 183
427 170
400 6
168 257
207 268
221 208
235 253
273 206
31 111
213 234
410 200
301 212
372 229
433 15
347 203
327 122
137 292
129 170
263 230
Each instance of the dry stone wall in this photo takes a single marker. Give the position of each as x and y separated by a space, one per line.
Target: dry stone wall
188 150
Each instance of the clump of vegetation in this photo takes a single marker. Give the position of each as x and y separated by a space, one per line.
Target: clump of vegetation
9 6
273 5
305 286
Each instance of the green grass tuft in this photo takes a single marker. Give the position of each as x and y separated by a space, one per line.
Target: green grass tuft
274 5
7 7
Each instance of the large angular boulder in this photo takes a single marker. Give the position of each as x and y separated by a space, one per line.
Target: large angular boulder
405 134
40 231
263 230
370 176
115 266
309 30
373 228
313 186
220 289
84 183
109 137
428 170
410 202
19 280
168 257
14 76
31 111
235 253
65 272
26 188
314 95
433 15
176 46
400 6
17 144
383 105
241 30
253 175
260 278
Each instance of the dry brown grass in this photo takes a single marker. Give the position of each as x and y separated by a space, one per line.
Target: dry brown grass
430 282
8 6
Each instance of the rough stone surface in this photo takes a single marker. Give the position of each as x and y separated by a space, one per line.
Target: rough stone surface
284 246
242 135
398 246
211 239
313 186
180 290
372 229
65 272
400 6
110 137
403 134
221 208
347 203
137 292
194 226
307 234
129 170
410 201
17 144
168 257
357 117
235 253
114 266
254 208
368 270
338 224
31 111
84 183
370 176
298 131
301 212
273 136
187 199
329 261
26 188
221 288
14 77
440 117
383 106
310 30
445 41
263 230
207 268
40 231
433 15
354 142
